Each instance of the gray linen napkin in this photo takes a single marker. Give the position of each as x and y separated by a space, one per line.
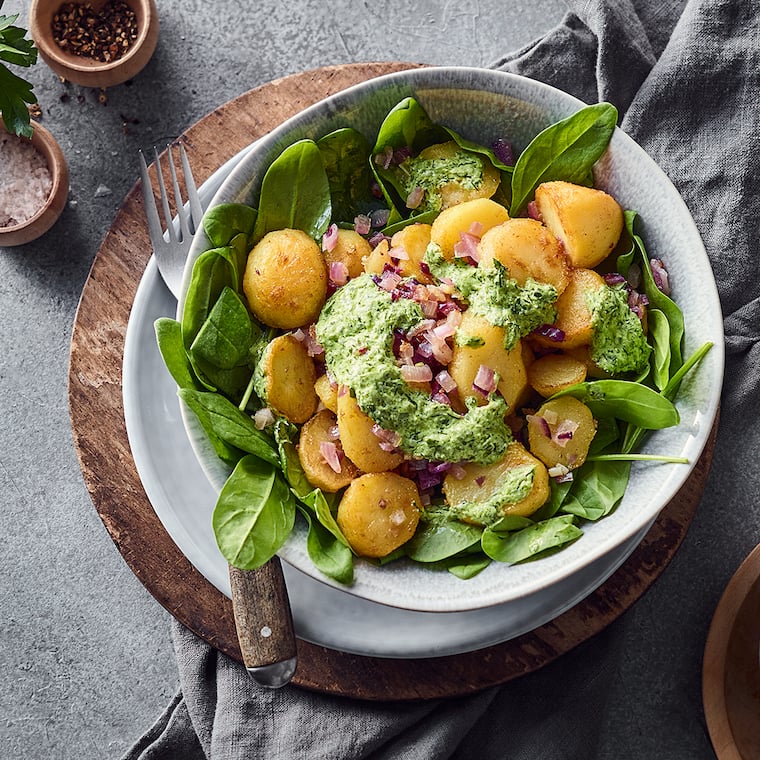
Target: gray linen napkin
685 77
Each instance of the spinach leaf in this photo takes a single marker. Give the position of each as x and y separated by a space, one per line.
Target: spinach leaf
345 155
530 542
254 514
212 272
221 417
407 125
566 150
223 222
465 568
659 333
597 489
474 147
557 494
436 540
322 508
295 193
329 555
625 400
169 339
226 337
284 432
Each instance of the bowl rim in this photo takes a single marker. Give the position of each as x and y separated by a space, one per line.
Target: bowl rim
46 144
240 183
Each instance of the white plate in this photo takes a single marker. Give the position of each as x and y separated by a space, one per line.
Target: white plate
183 500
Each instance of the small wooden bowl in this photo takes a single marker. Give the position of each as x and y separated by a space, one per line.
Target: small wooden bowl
731 667
44 219
90 72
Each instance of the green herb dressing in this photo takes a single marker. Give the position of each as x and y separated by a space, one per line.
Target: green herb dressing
514 486
492 294
356 331
430 174
618 344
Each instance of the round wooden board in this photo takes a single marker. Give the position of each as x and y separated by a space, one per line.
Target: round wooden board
111 477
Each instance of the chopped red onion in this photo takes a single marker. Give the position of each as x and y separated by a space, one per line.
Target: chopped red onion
540 423
416 373
444 329
414 199
485 380
385 157
299 334
330 238
564 432
263 418
533 211
399 253
331 455
362 224
429 308
614 278
379 217
446 381
503 151
389 280
476 229
467 247
441 398
457 471
377 238
480 480
420 327
338 273
551 332
660 275
634 275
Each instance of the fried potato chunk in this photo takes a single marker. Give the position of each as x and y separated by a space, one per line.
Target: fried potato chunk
316 433
451 222
588 221
285 279
379 512
561 431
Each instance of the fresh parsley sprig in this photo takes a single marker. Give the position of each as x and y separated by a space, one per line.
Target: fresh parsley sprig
15 93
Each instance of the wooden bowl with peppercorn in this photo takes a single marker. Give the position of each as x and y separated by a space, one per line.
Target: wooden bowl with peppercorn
35 185
95 43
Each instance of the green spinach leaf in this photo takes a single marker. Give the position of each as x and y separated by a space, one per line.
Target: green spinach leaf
566 150
529 542
225 221
329 555
254 514
597 489
169 340
295 193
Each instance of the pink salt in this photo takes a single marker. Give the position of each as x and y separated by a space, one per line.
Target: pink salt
25 181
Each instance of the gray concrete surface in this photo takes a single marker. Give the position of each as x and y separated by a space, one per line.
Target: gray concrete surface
86 654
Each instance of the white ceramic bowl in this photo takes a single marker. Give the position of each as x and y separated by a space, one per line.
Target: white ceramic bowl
482 104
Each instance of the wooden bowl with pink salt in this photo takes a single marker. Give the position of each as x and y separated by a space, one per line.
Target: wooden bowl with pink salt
34 185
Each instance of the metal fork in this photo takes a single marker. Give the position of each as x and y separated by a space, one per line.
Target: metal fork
171 239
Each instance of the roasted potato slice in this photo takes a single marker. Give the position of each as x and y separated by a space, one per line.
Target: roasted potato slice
413 239
561 432
316 433
360 443
588 221
481 343
554 372
376 261
527 249
481 486
379 512
285 279
573 313
327 393
454 192
452 221
285 377
350 249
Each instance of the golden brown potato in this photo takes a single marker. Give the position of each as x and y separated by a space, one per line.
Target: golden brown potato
583 354
360 443
378 513
285 279
319 431
350 249
376 261
286 377
555 372
414 239
561 432
528 250
327 393
453 192
467 359
481 485
452 221
573 313
587 221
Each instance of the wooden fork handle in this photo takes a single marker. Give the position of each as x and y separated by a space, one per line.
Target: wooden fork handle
264 623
